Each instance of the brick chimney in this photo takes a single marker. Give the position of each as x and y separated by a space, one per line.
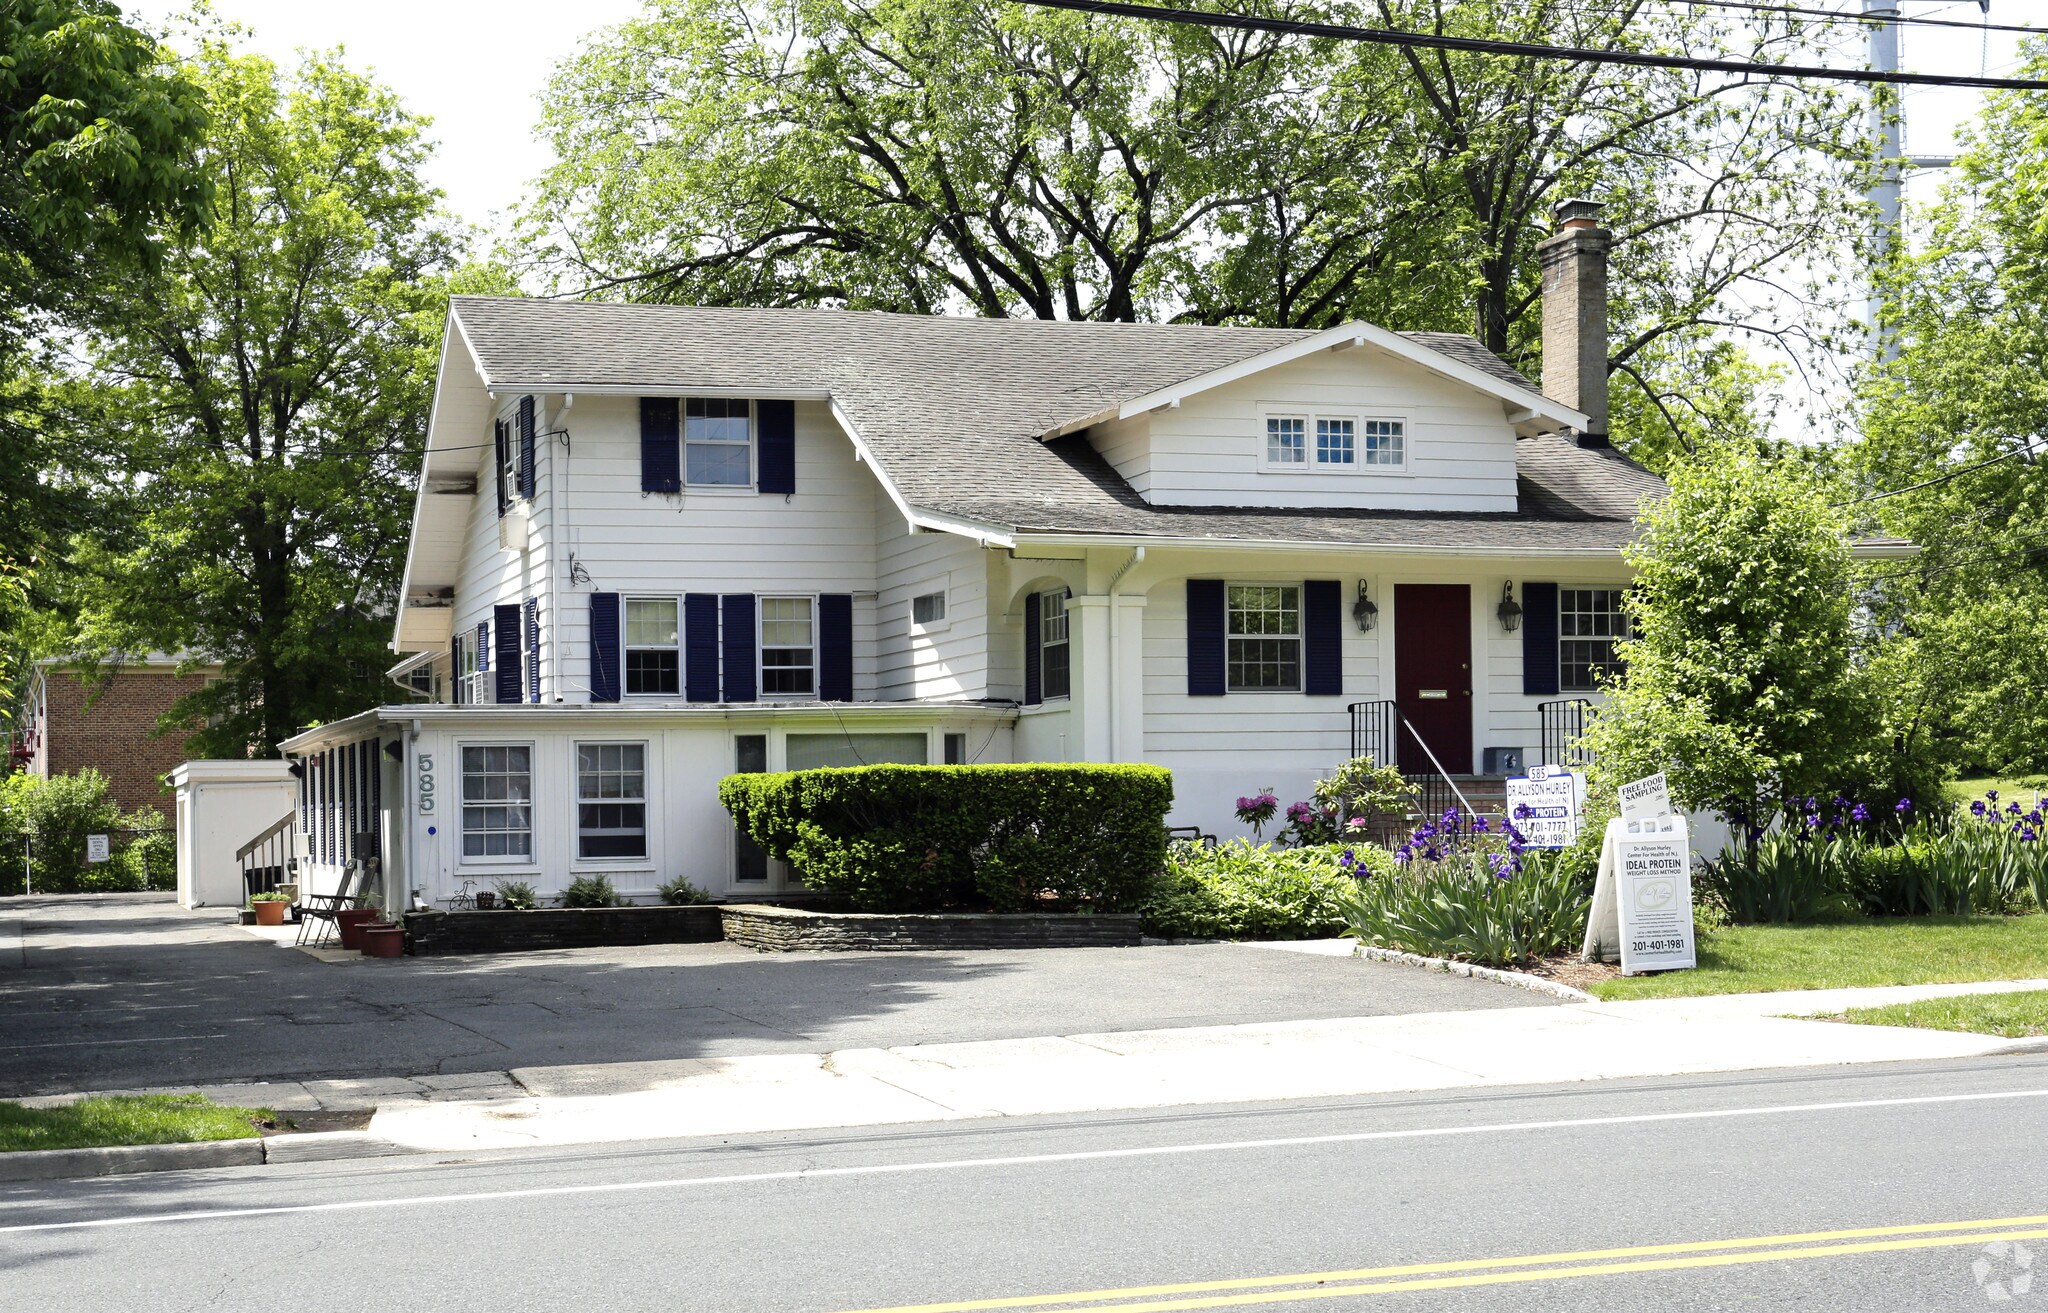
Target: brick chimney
1575 315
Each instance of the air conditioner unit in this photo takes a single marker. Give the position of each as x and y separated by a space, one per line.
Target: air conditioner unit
512 530
1503 761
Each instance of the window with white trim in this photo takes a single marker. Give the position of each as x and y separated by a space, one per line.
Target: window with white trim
470 678
718 442
1590 621
789 653
1287 440
497 802
1333 443
1386 443
928 609
1055 653
654 662
1263 638
508 459
1336 441
611 800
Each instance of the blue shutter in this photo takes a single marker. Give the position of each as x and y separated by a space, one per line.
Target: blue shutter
776 459
1539 639
483 646
533 650
505 623
1322 641
700 647
526 447
835 647
1206 638
1034 651
604 647
661 451
455 670
498 472
739 646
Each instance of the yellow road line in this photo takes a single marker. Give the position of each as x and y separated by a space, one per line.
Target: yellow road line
1264 1288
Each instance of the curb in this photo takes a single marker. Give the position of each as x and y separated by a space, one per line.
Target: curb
123 1160
1518 979
2024 1046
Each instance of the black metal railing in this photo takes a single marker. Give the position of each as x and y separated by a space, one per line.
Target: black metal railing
266 859
1564 723
1380 731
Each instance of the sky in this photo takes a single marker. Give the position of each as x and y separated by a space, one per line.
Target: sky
475 68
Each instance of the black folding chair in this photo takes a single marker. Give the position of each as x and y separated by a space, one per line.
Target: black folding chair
320 909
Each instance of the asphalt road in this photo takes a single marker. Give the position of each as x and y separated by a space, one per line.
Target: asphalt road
1821 1190
122 991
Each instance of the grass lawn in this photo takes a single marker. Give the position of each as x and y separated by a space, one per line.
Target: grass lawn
2018 788
2015 1016
1919 950
125 1119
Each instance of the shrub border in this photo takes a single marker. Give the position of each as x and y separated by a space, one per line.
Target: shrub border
1518 979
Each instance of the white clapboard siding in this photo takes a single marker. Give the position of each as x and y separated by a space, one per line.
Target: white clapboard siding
948 660
1206 451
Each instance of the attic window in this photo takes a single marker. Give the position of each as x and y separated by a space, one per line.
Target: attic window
928 609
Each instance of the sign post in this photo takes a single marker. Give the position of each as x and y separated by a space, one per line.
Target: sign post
1642 898
1555 799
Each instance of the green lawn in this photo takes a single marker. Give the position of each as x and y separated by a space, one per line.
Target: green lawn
2015 1016
2019 788
125 1119
1878 951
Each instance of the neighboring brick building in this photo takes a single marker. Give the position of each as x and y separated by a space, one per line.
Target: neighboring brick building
63 727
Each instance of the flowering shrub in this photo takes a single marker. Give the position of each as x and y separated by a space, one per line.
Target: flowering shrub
1257 810
1342 808
1241 890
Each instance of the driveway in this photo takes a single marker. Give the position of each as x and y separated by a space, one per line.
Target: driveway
120 990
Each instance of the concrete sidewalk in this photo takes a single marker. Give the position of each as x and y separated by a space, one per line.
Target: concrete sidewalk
1161 1068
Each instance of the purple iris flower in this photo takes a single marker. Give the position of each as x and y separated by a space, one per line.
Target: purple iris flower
1977 807
1905 806
1859 813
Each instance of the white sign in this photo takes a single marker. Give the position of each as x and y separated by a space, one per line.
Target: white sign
1645 798
1642 898
96 848
1554 799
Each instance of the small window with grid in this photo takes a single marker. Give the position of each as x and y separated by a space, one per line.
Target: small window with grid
611 800
788 652
1589 623
1056 664
1263 640
497 802
1386 443
653 660
1336 442
1286 440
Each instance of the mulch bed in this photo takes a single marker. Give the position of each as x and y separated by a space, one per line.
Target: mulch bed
1568 969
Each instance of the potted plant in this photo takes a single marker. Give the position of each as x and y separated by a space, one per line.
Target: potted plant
270 906
349 921
382 939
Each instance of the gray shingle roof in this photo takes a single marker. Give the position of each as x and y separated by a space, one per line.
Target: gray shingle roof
954 409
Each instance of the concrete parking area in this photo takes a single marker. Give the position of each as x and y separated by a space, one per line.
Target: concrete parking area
125 990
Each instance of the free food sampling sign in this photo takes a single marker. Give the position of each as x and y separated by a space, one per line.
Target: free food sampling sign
1642 899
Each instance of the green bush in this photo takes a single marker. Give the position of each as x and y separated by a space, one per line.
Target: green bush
922 838
1242 890
517 895
590 891
57 814
1462 906
681 893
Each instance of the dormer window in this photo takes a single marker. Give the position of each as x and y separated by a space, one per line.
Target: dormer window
1287 440
1386 443
1309 442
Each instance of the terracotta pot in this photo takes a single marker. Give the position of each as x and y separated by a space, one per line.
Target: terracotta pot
349 921
382 939
270 911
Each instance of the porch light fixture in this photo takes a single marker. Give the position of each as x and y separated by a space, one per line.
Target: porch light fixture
1509 610
1364 611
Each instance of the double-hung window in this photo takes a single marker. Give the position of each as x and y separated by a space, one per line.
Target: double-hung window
1263 638
653 658
470 680
497 802
1056 663
718 442
1589 623
508 460
789 653
611 800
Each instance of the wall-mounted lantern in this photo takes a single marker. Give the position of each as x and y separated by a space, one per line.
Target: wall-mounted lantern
1364 611
1509 610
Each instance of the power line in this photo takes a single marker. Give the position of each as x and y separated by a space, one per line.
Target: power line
1843 16
1475 45
1929 483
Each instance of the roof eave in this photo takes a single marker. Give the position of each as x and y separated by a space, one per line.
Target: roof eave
1029 538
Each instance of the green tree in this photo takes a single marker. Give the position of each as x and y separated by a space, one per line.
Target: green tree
979 156
260 397
1952 452
1740 683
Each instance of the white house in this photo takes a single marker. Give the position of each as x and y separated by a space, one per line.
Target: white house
657 544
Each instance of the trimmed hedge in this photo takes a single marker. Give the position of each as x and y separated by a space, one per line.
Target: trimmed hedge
1242 890
929 838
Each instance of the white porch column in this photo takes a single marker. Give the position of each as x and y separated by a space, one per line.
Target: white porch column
1108 677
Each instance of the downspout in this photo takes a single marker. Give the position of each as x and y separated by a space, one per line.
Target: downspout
1116 747
558 477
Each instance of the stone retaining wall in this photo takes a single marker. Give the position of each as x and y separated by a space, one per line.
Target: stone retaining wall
498 931
796 929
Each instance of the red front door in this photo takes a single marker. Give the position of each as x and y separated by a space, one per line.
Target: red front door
1433 673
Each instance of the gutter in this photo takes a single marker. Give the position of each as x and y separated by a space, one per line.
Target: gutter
1030 540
